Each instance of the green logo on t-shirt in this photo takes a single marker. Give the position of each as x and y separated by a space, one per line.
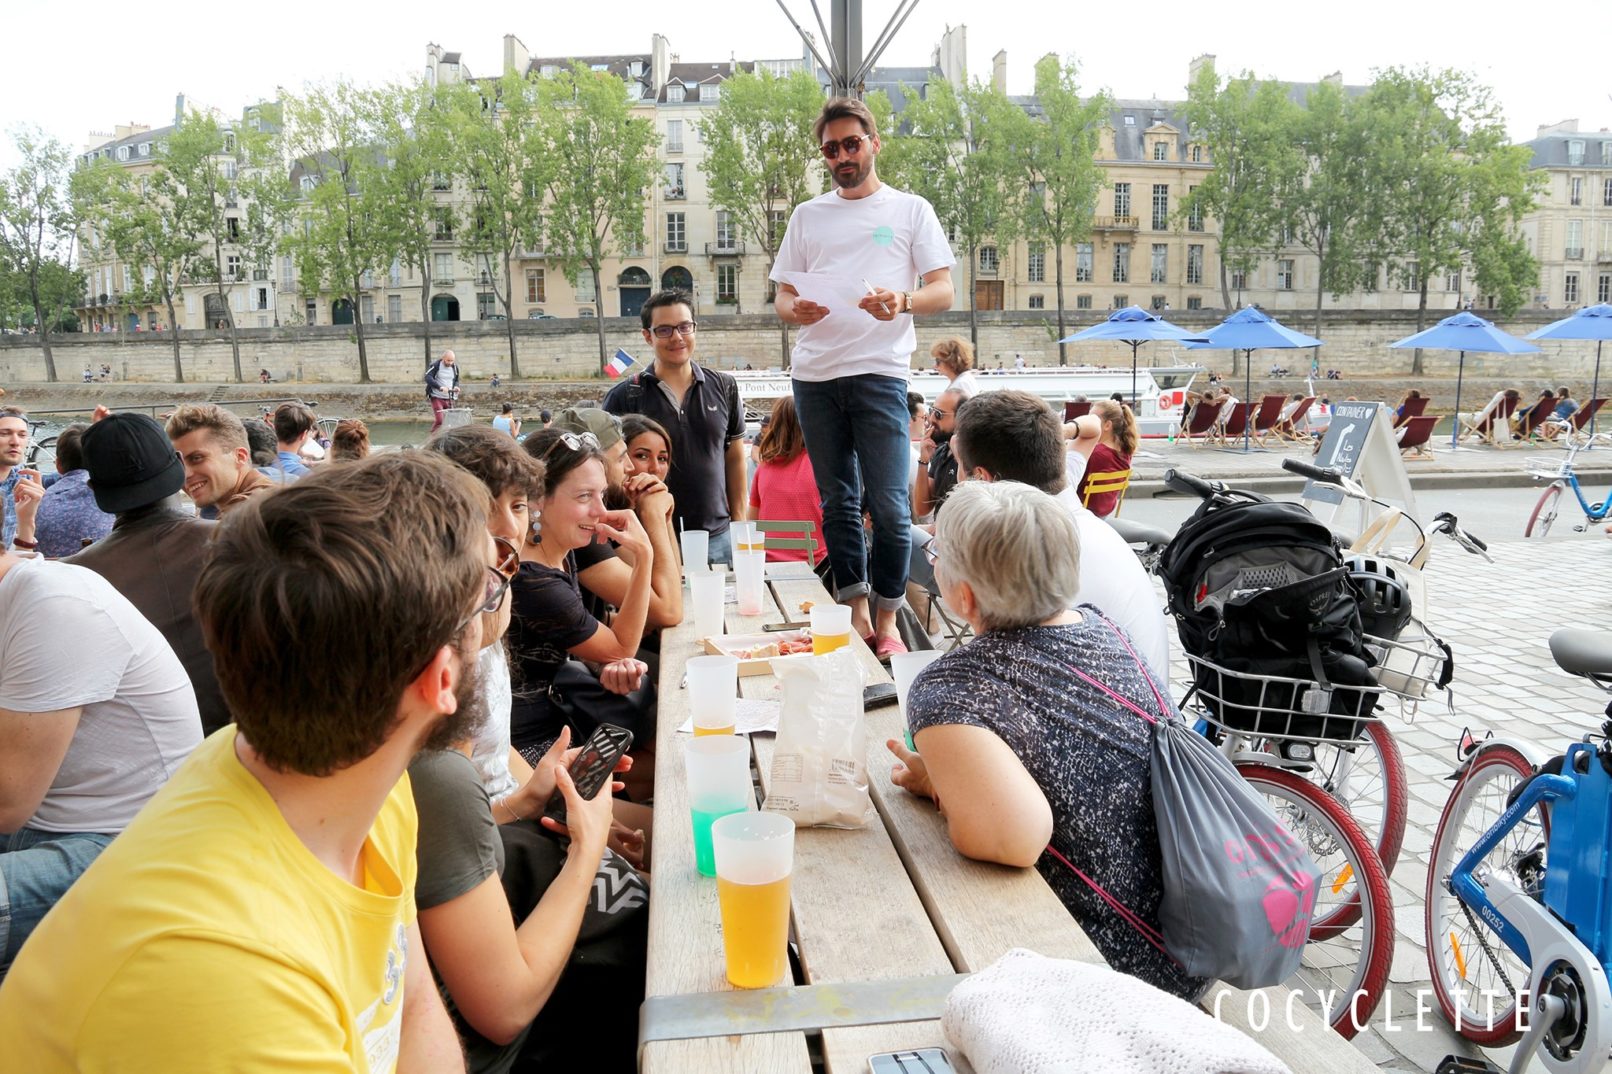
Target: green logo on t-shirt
884 235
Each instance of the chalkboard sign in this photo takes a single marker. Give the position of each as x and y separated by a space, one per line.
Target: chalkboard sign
1342 446
1360 441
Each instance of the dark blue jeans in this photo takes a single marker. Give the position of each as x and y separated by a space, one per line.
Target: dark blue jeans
856 436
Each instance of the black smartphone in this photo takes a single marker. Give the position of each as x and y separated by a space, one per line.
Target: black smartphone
592 767
877 695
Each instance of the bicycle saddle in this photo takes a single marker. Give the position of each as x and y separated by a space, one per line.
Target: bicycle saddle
1138 533
1583 652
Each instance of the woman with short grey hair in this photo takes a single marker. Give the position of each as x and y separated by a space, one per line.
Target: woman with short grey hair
1031 760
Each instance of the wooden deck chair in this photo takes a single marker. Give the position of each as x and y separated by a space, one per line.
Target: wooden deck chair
1580 419
1236 422
1414 408
1105 481
1492 417
1417 435
1077 408
1200 424
1532 420
1266 418
1289 428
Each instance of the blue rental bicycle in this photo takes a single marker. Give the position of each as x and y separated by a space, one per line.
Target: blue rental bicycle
1561 476
1519 897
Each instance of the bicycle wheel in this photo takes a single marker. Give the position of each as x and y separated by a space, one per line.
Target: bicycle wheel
42 454
1368 778
1544 512
1345 966
1475 976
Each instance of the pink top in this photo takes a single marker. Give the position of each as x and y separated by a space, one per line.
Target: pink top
787 492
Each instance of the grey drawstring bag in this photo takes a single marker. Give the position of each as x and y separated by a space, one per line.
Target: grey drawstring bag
1239 888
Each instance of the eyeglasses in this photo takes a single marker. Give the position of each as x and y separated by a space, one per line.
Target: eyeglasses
851 146
665 331
509 557
932 550
492 599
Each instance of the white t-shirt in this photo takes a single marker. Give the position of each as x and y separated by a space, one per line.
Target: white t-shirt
68 639
1112 578
490 750
966 383
889 238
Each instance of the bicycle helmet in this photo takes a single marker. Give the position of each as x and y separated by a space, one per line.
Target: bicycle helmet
1385 603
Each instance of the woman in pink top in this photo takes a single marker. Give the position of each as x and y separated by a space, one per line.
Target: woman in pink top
784 489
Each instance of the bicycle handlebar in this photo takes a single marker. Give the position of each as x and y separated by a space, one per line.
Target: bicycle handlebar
1324 475
1191 485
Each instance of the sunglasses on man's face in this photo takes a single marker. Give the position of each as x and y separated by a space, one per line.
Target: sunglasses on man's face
849 146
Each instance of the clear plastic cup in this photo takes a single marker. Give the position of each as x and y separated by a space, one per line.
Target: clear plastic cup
744 536
718 771
754 856
749 573
713 691
831 627
706 594
696 548
904 667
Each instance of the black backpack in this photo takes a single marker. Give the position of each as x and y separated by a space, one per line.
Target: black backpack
1259 587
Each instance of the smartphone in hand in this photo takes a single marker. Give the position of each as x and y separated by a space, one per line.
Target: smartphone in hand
592 767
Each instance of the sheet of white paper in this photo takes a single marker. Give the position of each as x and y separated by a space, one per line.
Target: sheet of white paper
839 293
750 715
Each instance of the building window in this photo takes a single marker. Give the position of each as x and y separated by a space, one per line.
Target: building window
1122 200
1038 302
288 273
145 149
1239 279
441 181
1575 152
229 170
988 260
1284 275
312 312
123 152
1159 263
1606 189
366 308
1194 212
394 308
1157 302
1121 301
674 181
394 275
674 136
1570 289
1195 264
676 239
727 284
443 224
442 268
1603 288
1161 206
1575 240
536 286
1452 281
232 268
262 298
1197 154
710 92
1194 302
486 305
584 290
725 238
777 222
1038 265
1122 262
674 92
1575 191
1130 120
1160 152
1083 262
1082 302
1368 277
308 183
1410 276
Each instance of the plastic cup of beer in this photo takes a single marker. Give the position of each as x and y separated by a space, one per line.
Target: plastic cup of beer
718 772
831 627
696 547
754 855
745 538
904 667
749 572
706 594
713 690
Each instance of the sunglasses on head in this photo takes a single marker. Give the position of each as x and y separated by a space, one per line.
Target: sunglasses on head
575 442
850 146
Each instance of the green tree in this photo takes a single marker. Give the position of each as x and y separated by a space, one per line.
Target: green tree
141 221
498 139
266 197
36 231
1245 125
760 160
341 211
1057 168
960 150
606 157
1447 190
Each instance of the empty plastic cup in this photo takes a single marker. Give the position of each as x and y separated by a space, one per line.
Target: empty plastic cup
904 667
831 627
713 690
755 854
696 547
749 574
718 771
706 594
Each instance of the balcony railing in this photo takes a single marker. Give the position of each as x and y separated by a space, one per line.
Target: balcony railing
676 246
442 281
730 248
675 193
1114 223
1575 253
1604 256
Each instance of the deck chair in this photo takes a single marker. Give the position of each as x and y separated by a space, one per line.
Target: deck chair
1417 435
1580 419
1236 422
779 536
1267 417
1201 423
1077 408
1494 416
1288 428
1106 481
1413 409
1532 420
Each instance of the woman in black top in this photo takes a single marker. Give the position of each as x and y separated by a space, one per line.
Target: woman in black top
549 621
1020 752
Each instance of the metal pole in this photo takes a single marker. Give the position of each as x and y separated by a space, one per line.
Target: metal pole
1460 368
845 27
1248 395
1594 388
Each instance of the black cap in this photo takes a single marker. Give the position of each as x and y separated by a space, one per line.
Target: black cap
131 462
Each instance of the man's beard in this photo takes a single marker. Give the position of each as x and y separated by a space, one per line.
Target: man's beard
468 715
864 165
939 436
616 498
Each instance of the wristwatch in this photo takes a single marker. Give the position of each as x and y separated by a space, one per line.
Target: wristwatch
906 302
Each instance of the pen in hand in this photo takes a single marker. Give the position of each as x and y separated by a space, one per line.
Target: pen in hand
873 291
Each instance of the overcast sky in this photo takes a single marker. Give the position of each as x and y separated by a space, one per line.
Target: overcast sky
85 65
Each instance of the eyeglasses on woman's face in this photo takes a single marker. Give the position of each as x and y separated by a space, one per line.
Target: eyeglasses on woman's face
850 146
682 328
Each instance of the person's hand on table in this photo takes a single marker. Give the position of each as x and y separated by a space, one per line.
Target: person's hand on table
882 304
808 312
909 772
623 676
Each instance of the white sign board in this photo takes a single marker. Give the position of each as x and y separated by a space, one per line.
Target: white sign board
1360 442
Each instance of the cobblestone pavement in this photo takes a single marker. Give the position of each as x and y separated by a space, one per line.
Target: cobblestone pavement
1497 617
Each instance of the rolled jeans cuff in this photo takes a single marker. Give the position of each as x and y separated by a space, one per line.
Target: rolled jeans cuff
888 604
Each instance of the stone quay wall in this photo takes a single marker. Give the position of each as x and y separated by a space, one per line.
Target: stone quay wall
1356 342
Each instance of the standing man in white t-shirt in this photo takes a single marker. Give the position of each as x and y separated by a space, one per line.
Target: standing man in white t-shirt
851 364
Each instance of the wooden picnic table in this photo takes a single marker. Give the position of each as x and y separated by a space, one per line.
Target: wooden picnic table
892 902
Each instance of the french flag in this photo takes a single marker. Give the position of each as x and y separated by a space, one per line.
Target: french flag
618 365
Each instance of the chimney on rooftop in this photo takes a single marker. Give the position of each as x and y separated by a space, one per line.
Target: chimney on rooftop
999 71
1205 62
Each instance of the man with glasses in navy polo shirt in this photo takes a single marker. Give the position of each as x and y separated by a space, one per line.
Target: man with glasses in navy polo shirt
850 365
701 410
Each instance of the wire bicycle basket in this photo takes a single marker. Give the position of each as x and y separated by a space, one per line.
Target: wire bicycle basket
1274 707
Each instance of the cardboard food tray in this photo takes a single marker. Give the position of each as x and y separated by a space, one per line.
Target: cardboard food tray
732 644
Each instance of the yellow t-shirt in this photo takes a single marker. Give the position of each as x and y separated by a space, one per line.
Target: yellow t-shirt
207 937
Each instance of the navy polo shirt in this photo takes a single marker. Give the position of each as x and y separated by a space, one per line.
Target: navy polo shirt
709 419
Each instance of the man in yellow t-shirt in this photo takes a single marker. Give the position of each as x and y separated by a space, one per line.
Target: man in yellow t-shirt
258 914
